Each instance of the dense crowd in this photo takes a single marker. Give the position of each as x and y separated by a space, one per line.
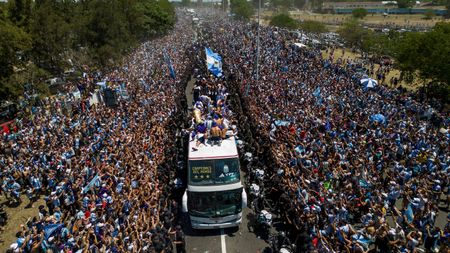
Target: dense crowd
347 181
105 172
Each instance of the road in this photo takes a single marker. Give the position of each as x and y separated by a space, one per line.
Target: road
230 240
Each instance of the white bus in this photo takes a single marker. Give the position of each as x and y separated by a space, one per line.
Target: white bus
215 196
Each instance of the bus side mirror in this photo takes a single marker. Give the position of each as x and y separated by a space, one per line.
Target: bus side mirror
244 199
184 206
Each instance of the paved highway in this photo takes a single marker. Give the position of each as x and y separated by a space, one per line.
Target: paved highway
230 240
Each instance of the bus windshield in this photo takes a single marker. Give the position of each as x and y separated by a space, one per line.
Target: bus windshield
209 172
215 204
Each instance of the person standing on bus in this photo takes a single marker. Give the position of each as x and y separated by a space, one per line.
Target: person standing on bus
215 134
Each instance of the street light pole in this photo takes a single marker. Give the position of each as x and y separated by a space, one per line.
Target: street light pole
257 52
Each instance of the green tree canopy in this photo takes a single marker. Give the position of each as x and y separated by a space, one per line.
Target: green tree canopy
429 14
241 9
379 44
154 18
281 4
353 33
405 3
50 32
317 5
14 42
312 26
39 37
426 55
447 6
284 20
299 3
359 13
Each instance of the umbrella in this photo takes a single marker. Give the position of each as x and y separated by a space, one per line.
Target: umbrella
300 45
369 82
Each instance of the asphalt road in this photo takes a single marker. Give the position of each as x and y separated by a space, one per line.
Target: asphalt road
230 240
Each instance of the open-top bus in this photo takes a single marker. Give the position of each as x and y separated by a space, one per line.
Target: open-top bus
215 196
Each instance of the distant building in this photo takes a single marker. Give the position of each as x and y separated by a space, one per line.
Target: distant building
354 5
389 7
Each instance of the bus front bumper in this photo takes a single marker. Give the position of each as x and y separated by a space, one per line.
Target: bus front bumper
218 224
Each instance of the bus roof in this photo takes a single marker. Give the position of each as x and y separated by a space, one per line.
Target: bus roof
227 149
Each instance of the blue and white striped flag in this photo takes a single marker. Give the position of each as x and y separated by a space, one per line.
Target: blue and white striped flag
51 228
91 184
213 62
316 93
169 64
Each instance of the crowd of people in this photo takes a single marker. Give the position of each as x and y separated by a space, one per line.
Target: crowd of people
104 172
346 178
354 169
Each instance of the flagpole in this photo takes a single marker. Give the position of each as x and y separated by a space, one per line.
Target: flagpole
257 52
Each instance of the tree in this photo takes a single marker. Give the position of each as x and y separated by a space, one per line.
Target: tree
255 3
14 42
186 2
429 14
154 17
16 9
447 6
359 13
353 33
281 4
38 37
3 12
242 9
108 32
426 54
405 3
311 26
30 75
380 44
299 3
284 20
109 29
317 5
50 33
225 4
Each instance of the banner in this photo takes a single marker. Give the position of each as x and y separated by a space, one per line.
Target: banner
50 229
169 64
89 186
213 62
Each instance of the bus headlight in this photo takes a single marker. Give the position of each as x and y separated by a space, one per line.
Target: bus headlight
184 205
244 198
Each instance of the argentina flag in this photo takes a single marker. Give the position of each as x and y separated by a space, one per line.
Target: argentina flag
169 64
213 62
